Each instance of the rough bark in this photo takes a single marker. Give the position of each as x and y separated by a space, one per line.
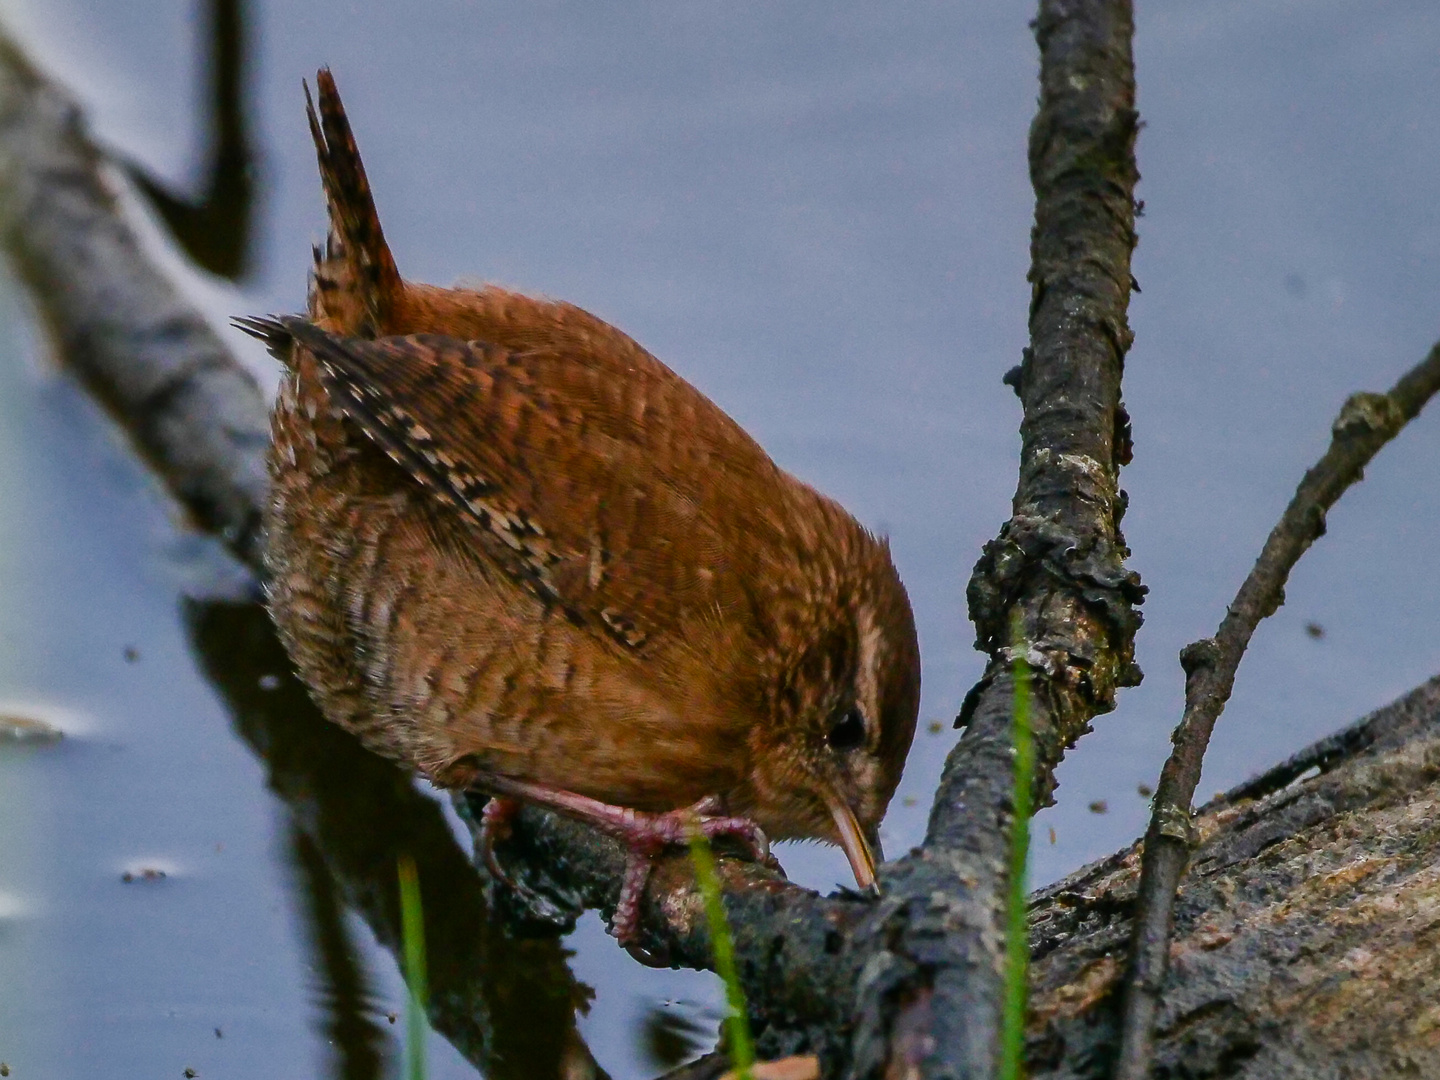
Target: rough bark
930 990
1307 931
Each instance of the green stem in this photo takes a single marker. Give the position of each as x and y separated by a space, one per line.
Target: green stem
737 1019
412 929
1017 945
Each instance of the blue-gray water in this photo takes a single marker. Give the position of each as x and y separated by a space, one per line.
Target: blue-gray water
819 214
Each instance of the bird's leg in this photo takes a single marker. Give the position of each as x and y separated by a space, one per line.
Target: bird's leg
645 835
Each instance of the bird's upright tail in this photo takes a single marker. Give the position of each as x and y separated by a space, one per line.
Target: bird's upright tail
355 284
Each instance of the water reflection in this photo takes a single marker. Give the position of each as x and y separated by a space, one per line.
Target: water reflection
508 1006
216 226
349 1021
671 1032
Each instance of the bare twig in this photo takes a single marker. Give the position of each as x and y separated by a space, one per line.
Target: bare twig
711 1066
714 1067
1365 424
1304 941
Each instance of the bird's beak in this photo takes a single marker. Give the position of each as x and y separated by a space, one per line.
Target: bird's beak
852 840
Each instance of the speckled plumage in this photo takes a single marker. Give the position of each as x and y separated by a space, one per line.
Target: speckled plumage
506 541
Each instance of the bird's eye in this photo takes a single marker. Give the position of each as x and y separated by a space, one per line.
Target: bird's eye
849 733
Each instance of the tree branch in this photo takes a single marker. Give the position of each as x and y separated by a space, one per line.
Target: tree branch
1306 938
196 416
1365 424
931 985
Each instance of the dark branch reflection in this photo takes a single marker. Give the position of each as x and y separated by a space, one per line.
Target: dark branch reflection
215 225
348 1007
671 1035
508 1006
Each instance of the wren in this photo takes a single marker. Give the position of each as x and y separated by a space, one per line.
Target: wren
509 548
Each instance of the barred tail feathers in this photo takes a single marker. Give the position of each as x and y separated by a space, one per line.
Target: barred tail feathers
355 281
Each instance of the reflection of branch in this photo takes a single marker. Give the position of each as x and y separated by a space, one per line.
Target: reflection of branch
214 228
507 1005
1365 424
360 1043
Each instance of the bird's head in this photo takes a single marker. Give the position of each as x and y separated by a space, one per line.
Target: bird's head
843 699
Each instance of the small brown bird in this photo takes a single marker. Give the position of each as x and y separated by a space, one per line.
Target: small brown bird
513 550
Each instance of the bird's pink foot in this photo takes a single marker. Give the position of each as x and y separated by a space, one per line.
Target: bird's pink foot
648 835
645 835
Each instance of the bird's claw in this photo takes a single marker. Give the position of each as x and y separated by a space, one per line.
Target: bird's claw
647 835
495 824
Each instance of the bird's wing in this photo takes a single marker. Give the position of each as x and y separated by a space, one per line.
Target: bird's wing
631 503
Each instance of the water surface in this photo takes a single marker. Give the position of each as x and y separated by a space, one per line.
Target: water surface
819 214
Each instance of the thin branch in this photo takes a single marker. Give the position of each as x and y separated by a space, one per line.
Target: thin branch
711 1066
1365 424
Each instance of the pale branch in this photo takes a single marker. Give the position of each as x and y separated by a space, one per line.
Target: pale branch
1366 423
196 415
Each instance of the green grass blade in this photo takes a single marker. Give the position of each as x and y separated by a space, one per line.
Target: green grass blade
737 1019
1017 944
412 929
